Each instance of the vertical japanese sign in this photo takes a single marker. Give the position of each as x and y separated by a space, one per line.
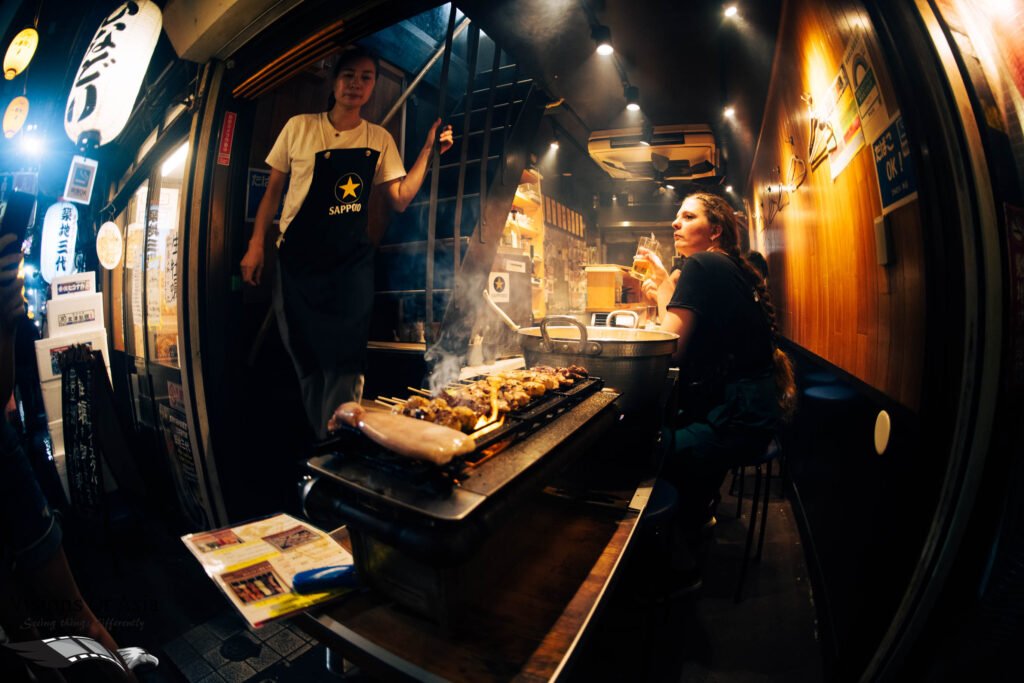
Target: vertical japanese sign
60 233
85 474
109 77
227 138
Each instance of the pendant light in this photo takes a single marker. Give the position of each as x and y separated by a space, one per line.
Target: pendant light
20 51
632 98
602 35
15 116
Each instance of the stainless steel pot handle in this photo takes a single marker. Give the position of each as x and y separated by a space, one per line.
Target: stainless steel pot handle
583 346
614 314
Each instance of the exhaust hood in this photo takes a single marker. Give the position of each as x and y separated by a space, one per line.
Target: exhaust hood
677 152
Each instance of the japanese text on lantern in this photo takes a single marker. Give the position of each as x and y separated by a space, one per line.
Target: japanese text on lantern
64 234
98 55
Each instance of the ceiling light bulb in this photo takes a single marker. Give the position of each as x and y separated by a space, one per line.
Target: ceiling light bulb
729 112
731 11
671 187
602 35
728 188
554 144
632 98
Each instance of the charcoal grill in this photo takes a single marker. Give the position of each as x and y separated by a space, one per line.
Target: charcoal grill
428 536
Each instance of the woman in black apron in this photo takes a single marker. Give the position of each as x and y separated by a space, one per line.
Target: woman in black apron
323 296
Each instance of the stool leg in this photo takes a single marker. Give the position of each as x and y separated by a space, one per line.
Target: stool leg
732 484
739 496
750 533
764 510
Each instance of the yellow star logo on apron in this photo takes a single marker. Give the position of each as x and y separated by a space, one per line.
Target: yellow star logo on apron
349 188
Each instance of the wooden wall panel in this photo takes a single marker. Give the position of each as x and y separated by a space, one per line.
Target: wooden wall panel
832 296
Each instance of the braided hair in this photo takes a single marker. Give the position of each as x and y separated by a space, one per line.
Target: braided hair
719 213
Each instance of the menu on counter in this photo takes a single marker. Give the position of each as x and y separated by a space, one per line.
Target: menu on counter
254 564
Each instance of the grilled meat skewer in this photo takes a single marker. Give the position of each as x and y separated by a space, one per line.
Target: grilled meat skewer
461 406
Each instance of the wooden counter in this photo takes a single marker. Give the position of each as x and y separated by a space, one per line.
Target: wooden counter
528 630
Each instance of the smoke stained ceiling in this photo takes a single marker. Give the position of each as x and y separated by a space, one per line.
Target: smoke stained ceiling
688 61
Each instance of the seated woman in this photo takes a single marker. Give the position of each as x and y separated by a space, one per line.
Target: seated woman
736 386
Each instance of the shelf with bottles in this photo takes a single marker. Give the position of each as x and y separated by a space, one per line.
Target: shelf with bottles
522 223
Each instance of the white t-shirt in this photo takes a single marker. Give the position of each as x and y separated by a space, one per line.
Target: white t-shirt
306 134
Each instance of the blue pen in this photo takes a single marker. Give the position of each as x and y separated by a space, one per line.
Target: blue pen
325 578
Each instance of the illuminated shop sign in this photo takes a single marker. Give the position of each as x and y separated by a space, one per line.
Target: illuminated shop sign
60 232
108 80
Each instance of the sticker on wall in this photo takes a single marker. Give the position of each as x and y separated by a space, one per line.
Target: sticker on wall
846 124
73 285
498 287
874 116
81 175
255 188
109 245
227 139
897 179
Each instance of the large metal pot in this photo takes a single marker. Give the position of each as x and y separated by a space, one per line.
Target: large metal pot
634 362
631 361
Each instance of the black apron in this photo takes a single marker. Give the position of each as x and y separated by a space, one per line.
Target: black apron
326 260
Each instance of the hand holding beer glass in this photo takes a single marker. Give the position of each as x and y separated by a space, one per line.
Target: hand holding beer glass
642 267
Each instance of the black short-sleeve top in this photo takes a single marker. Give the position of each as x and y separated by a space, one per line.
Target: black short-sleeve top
732 339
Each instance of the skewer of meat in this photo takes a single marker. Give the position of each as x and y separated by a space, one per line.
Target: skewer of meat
463 405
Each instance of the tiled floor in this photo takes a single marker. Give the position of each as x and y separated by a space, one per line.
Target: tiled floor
224 650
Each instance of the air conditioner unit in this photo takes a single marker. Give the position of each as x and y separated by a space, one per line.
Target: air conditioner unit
679 152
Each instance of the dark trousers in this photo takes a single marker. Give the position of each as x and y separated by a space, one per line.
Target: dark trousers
697 462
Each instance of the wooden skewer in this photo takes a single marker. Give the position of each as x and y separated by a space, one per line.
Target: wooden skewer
387 400
421 392
402 401
384 403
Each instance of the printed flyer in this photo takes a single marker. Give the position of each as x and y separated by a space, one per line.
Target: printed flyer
254 564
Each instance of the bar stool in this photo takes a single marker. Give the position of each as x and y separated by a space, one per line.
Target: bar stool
771 453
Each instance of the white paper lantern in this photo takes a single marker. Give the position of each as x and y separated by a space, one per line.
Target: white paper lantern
15 115
109 245
57 248
20 51
108 80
